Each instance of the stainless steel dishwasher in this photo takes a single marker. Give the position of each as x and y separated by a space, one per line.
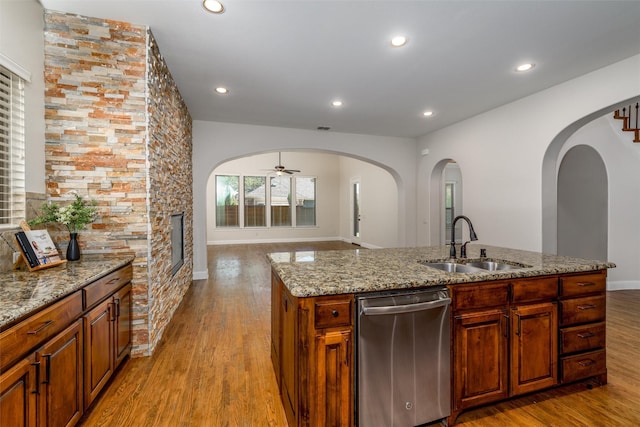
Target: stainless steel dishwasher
403 358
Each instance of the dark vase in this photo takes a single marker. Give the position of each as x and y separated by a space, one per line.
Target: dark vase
73 250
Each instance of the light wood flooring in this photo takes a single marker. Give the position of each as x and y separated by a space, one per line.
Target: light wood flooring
213 367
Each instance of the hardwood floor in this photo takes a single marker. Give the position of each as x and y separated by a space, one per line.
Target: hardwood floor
213 366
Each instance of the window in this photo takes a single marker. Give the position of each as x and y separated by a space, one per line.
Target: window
280 201
227 201
12 148
255 198
305 201
265 205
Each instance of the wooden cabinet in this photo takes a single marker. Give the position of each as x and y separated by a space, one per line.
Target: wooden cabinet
18 394
107 334
480 361
534 347
312 352
582 327
54 362
504 340
45 388
60 391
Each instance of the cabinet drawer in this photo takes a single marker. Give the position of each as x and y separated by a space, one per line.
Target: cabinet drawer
18 340
583 365
583 310
541 289
329 314
581 338
106 285
583 284
479 296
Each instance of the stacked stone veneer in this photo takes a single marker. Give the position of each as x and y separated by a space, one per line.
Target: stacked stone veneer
118 131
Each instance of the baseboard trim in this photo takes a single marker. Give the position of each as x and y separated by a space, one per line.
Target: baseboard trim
622 285
279 240
201 275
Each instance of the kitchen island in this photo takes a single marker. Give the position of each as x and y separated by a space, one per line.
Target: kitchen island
513 331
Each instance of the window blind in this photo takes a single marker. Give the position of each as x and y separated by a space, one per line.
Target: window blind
12 148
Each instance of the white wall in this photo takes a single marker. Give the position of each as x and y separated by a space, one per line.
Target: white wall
378 204
215 143
325 167
622 160
22 42
501 154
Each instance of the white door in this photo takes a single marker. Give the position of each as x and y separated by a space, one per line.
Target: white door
356 215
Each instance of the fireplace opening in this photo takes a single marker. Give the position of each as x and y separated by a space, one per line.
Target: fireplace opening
177 242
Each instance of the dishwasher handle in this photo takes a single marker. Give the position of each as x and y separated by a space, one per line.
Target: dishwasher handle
405 308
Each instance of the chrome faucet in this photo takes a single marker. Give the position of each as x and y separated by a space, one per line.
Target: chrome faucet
472 236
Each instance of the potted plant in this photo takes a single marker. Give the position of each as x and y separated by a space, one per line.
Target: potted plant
75 216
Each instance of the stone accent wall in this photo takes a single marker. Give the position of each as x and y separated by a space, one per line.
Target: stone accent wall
99 142
170 189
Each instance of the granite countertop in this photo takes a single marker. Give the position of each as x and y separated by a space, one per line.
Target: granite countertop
22 292
315 273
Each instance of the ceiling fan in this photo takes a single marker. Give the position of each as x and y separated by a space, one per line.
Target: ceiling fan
279 169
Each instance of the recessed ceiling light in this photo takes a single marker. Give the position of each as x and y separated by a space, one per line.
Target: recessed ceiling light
213 6
398 41
222 90
337 103
428 113
525 67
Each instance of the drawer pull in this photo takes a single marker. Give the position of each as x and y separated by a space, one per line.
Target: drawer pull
44 325
586 307
586 335
586 362
112 281
335 313
582 284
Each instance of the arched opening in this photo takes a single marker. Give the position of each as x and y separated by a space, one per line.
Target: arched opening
583 204
332 175
445 200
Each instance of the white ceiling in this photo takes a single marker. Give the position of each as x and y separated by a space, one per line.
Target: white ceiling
285 61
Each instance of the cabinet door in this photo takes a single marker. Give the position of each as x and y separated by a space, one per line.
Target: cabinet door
480 358
289 361
276 313
61 378
18 393
534 347
122 335
334 380
98 350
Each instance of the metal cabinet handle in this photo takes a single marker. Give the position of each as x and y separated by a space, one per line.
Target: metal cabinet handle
586 307
347 352
586 335
335 313
47 371
44 325
586 284
112 281
37 390
586 362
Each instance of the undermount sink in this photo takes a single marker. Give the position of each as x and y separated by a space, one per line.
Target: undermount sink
453 267
493 265
472 266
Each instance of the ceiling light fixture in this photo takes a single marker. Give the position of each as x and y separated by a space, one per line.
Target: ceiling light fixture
398 41
337 103
213 6
525 67
428 113
222 90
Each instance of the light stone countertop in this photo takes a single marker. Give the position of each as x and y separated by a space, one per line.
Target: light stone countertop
315 273
23 292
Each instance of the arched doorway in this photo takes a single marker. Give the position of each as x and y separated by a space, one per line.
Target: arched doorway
583 204
446 200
